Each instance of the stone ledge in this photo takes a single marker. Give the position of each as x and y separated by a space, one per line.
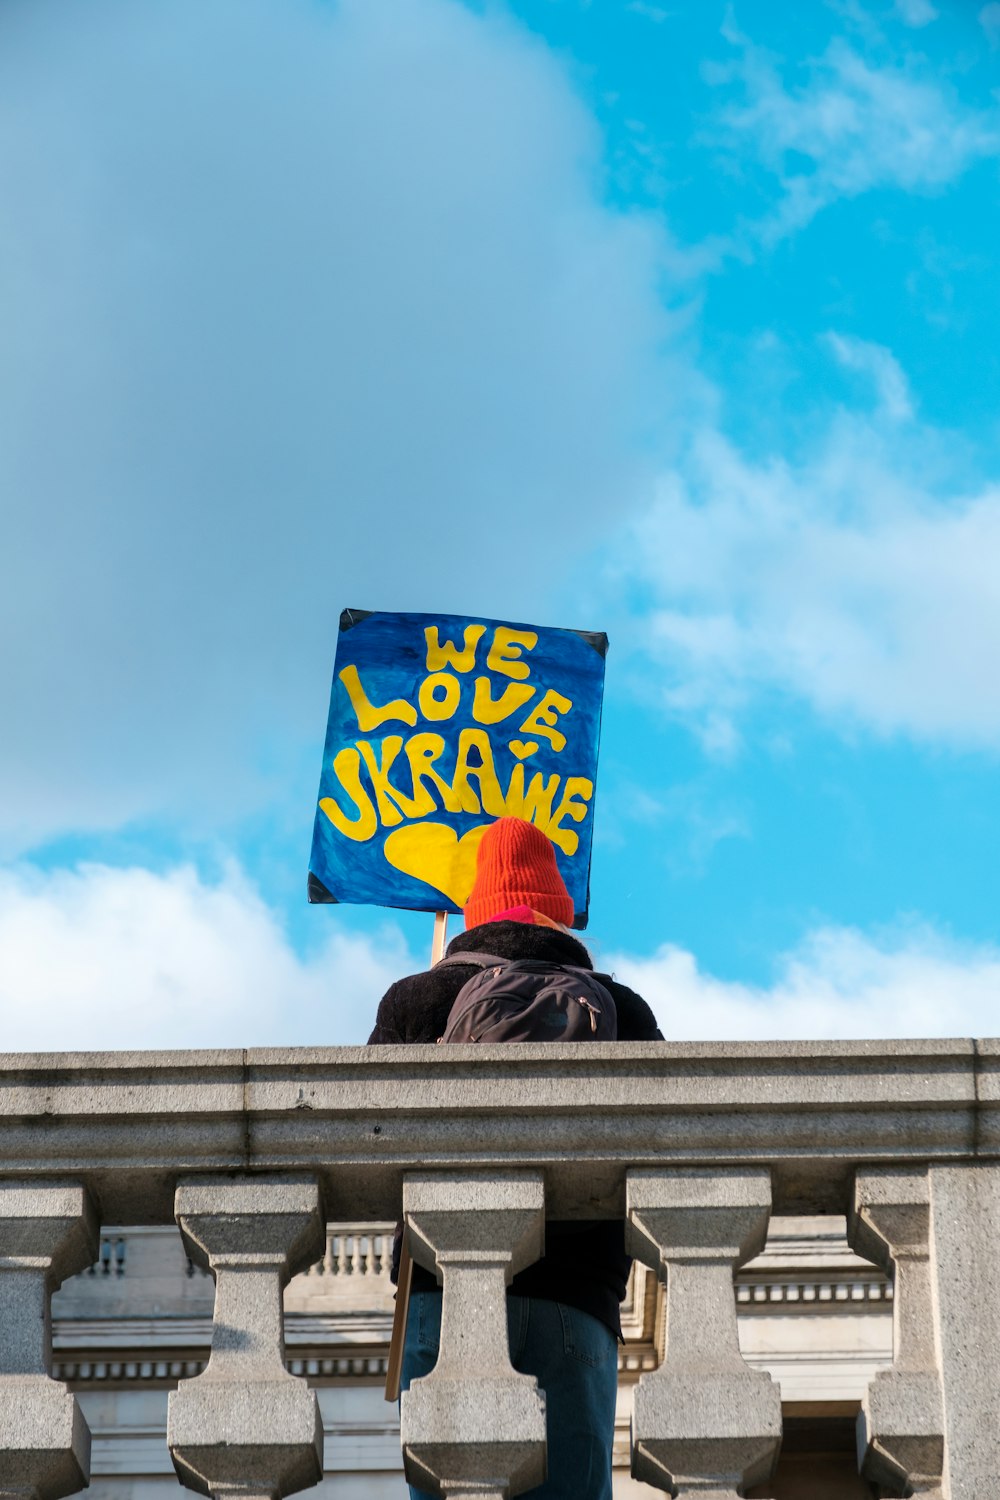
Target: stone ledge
129 1124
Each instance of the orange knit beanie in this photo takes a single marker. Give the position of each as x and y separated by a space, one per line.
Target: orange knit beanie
516 866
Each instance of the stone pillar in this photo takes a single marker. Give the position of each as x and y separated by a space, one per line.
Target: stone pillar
245 1426
965 1271
473 1426
704 1423
48 1231
901 1422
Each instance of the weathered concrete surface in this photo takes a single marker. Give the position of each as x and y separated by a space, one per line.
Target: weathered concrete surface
901 1422
931 1425
245 1426
704 1423
473 1425
965 1266
47 1232
130 1124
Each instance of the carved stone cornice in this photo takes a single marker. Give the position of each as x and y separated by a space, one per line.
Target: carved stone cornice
128 1125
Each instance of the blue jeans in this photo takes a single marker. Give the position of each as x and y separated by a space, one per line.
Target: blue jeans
575 1359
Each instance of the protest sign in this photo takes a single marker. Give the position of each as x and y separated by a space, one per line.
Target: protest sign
438 725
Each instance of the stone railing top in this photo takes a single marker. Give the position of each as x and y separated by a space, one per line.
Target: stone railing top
129 1124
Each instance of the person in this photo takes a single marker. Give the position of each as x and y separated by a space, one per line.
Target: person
563 1311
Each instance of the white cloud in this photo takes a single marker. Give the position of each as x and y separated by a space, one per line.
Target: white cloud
306 306
655 13
841 581
881 367
856 126
110 959
989 20
916 13
839 984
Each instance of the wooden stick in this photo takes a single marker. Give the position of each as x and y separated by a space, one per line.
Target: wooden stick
440 937
394 1364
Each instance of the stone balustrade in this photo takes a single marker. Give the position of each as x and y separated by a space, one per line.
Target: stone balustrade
354 1250
693 1145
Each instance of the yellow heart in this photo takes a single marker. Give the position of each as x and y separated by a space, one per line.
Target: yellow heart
522 749
434 853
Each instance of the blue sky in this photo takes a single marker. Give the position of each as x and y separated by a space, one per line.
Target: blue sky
680 323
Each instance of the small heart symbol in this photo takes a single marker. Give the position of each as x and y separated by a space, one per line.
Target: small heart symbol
522 749
434 853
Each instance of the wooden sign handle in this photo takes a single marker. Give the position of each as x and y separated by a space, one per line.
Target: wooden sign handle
440 937
394 1364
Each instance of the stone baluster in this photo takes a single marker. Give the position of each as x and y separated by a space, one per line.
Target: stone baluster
901 1422
473 1426
245 1426
48 1231
704 1423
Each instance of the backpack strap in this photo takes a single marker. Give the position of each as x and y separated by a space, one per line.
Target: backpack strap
480 960
487 960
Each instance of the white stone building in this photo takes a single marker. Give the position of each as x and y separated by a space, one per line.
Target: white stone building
754 1336
811 1313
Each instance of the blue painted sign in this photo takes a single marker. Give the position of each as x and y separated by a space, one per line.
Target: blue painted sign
438 725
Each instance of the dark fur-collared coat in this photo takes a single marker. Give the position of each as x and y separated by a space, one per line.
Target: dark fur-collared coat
585 1264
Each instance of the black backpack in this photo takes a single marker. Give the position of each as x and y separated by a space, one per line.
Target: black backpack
524 1000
